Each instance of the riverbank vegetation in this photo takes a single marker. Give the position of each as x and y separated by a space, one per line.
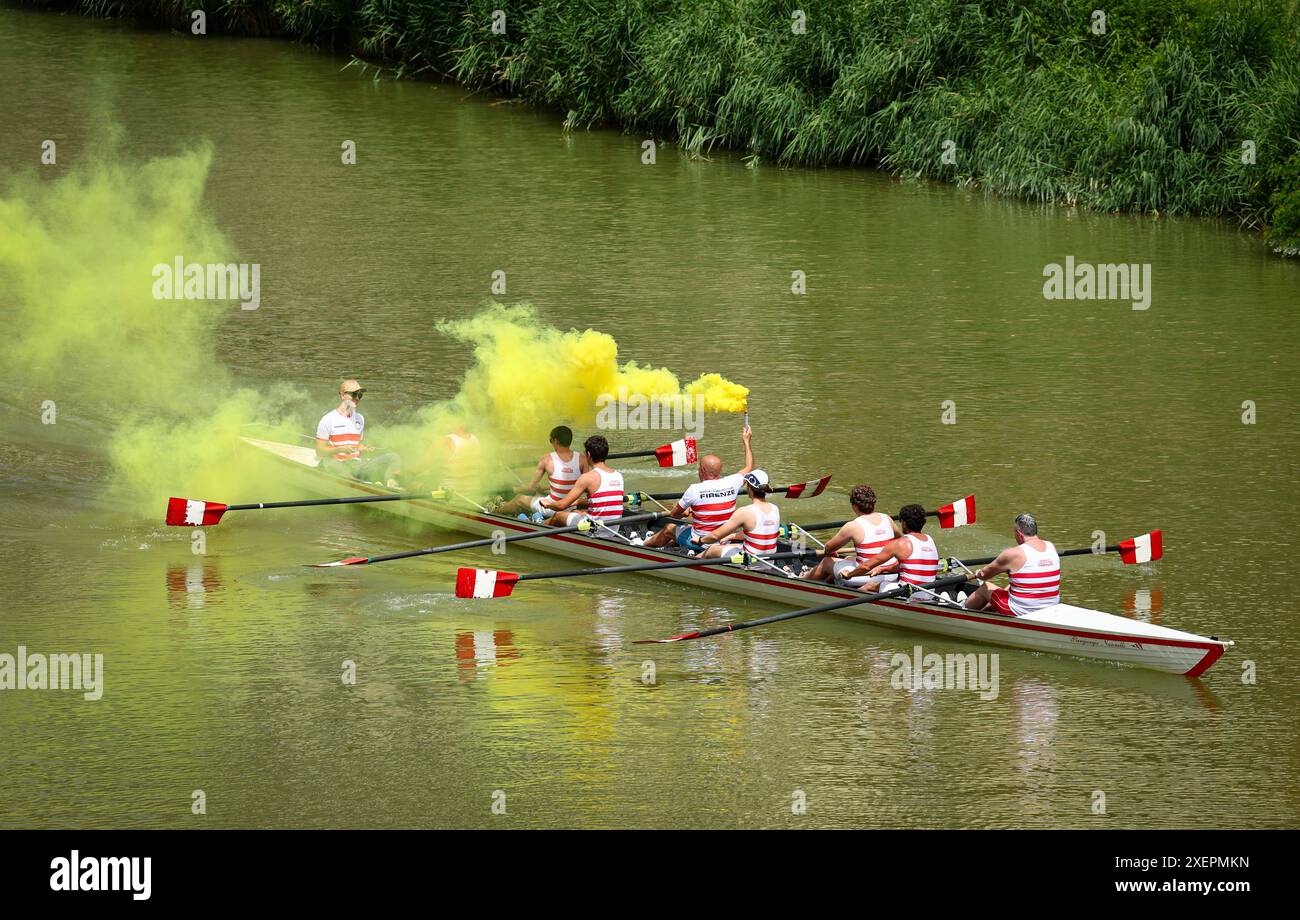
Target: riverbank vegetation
1152 106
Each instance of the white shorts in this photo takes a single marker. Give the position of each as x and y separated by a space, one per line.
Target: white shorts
848 565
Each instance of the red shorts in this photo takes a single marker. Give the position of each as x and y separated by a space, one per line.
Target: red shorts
1001 600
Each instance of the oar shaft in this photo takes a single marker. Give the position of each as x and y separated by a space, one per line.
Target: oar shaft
631 453
831 525
826 608
351 499
725 559
515 538
1084 551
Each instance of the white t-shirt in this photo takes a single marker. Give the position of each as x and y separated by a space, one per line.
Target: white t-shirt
340 429
712 502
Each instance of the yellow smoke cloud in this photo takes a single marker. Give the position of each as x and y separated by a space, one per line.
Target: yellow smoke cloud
528 377
76 276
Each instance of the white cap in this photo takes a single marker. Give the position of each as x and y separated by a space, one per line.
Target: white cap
756 478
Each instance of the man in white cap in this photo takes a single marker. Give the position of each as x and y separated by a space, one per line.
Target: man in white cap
757 524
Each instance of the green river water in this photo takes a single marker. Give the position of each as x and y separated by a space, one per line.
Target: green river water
222 670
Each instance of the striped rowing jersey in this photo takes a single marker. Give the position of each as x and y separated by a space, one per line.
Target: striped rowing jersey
761 540
340 429
606 503
1036 585
563 474
462 465
922 566
712 502
871 533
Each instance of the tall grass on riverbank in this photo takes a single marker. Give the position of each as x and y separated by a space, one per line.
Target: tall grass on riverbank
1161 111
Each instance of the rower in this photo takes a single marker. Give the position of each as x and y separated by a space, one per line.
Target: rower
561 467
709 502
1035 571
338 441
759 522
601 484
461 456
869 532
911 559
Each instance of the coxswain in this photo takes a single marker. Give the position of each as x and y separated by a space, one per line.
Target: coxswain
339 444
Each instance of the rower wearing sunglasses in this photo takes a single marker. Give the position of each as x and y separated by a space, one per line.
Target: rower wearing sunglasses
338 441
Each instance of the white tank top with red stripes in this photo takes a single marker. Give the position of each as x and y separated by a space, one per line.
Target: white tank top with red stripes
563 474
761 540
1036 585
606 503
711 502
872 532
922 566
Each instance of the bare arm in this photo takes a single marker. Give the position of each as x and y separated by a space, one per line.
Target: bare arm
888 553
734 523
543 466
842 537
1005 562
579 489
747 436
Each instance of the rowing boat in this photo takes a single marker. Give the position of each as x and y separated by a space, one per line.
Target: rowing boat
1063 629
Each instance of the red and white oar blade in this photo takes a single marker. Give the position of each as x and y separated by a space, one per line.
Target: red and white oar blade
680 638
678 453
1147 548
189 512
808 489
958 514
484 583
351 560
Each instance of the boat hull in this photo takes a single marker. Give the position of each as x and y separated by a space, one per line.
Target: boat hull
1063 629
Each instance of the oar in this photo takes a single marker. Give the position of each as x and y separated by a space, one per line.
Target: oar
191 512
1149 547
488 541
808 489
493 583
958 514
678 453
809 611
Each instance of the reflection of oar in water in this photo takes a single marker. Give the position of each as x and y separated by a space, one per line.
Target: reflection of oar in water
584 527
192 512
1139 550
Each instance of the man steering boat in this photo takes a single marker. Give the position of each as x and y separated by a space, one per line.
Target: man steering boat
339 445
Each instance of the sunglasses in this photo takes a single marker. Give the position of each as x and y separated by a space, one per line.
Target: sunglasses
355 394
